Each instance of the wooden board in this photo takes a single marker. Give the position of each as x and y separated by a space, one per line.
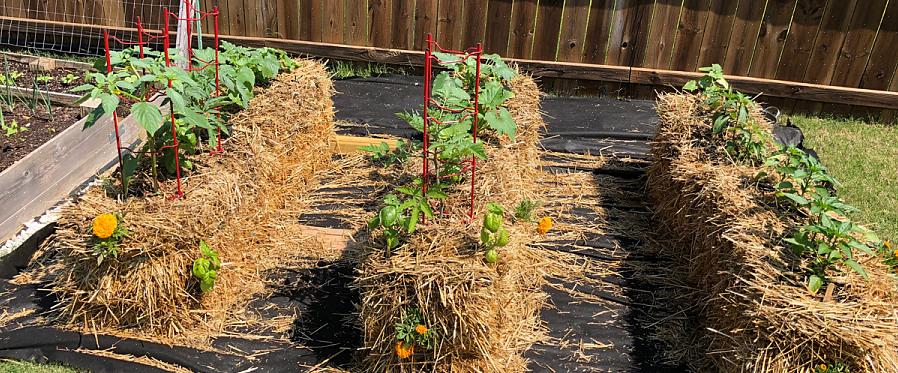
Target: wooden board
356 32
548 23
660 38
475 23
744 37
498 26
426 17
403 24
450 23
55 169
718 29
380 14
351 144
690 33
523 22
771 38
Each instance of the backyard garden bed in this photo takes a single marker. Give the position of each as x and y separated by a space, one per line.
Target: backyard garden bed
787 280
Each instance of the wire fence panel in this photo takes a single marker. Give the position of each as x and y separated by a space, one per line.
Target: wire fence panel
19 29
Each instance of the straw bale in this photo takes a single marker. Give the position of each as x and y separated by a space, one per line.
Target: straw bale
485 316
757 314
243 203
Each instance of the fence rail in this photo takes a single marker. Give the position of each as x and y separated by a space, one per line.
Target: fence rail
847 43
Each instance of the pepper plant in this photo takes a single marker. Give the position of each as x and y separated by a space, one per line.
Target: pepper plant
493 235
829 238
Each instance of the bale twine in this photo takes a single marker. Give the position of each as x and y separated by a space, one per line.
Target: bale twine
485 316
756 312
236 202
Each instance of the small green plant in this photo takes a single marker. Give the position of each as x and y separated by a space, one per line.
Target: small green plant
745 139
399 217
493 235
10 77
12 128
834 367
413 331
524 210
44 99
830 237
205 268
387 157
44 78
68 79
108 230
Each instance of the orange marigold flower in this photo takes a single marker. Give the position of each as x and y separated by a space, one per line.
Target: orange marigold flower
895 253
104 225
544 225
404 351
421 329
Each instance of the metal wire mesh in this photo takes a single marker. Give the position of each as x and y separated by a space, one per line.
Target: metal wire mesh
76 26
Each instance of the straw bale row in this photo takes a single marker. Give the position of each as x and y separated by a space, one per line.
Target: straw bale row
485 316
756 314
242 203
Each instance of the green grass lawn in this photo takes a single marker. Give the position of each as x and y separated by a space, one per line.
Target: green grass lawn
863 157
14 366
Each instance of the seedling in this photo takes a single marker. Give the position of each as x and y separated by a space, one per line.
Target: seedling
524 210
205 268
68 79
45 78
12 128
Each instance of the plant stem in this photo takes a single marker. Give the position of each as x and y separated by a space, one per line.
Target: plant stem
153 170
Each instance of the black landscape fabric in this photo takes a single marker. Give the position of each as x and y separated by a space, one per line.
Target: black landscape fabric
609 320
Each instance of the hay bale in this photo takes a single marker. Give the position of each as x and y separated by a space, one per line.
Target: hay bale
485 316
237 202
757 314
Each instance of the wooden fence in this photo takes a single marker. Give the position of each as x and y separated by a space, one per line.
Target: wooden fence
847 43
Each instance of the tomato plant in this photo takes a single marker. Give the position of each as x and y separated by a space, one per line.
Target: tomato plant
190 94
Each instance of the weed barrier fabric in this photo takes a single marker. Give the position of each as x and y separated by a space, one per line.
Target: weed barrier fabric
595 125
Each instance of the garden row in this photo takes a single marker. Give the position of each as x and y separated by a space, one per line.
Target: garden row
789 281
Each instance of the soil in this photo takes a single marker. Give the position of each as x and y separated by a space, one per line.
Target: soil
26 80
39 129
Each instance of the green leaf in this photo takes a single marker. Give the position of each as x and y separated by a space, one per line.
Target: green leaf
109 102
194 119
502 122
176 99
690 86
129 165
799 200
856 267
148 116
412 220
814 283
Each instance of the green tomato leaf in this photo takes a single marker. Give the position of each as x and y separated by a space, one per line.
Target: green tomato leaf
501 121
856 267
148 116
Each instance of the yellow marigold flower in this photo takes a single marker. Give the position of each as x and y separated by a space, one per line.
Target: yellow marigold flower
544 225
888 245
104 225
822 367
421 329
404 351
